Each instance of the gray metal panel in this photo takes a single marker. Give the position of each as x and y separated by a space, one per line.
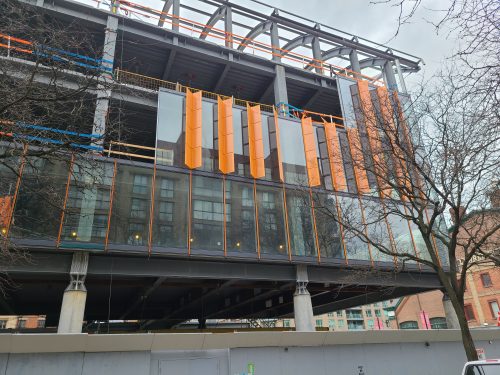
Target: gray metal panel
45 364
123 363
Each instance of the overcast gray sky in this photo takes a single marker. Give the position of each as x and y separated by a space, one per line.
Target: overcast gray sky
378 22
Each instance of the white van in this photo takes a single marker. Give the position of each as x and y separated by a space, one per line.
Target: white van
483 367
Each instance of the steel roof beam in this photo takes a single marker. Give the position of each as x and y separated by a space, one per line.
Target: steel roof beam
264 26
218 15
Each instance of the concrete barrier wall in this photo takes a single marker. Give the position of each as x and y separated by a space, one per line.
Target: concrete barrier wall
272 353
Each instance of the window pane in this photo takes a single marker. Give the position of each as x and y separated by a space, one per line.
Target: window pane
270 148
347 162
170 220
87 207
292 152
324 161
131 206
169 129
352 225
209 154
327 227
272 234
240 137
408 325
440 227
438 323
240 213
207 230
302 238
401 235
376 227
344 86
40 200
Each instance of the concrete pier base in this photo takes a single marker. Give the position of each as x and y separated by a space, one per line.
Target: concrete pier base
75 296
72 311
451 315
302 305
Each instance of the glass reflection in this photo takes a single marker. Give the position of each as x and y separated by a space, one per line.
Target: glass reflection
170 221
240 217
403 242
376 227
41 199
344 88
240 136
131 206
169 129
327 226
207 228
300 226
272 231
87 207
292 152
208 153
353 226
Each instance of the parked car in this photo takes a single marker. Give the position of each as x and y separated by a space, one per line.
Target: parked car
483 367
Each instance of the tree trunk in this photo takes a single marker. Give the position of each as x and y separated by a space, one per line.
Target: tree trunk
467 341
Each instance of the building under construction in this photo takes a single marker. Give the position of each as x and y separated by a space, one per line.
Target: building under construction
235 123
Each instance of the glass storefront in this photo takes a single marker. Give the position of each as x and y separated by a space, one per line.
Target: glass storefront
169 208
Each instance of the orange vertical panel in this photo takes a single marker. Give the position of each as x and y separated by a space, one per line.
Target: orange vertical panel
6 204
226 140
310 152
358 161
392 132
335 156
193 130
255 142
278 145
373 137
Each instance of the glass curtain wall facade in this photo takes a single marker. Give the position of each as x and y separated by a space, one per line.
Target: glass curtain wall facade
108 204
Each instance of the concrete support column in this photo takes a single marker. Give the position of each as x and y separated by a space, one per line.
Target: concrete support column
228 26
390 76
353 57
449 311
280 91
302 304
75 296
104 89
316 49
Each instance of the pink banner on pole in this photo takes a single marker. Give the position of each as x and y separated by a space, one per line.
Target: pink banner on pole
424 320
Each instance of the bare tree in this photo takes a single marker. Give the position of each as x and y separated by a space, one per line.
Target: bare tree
416 163
51 72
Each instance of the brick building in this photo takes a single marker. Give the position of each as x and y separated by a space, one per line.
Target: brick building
22 322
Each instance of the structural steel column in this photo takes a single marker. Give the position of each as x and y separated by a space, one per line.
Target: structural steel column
280 91
400 75
104 91
75 296
176 11
316 49
353 56
275 42
302 304
450 314
228 26
390 76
